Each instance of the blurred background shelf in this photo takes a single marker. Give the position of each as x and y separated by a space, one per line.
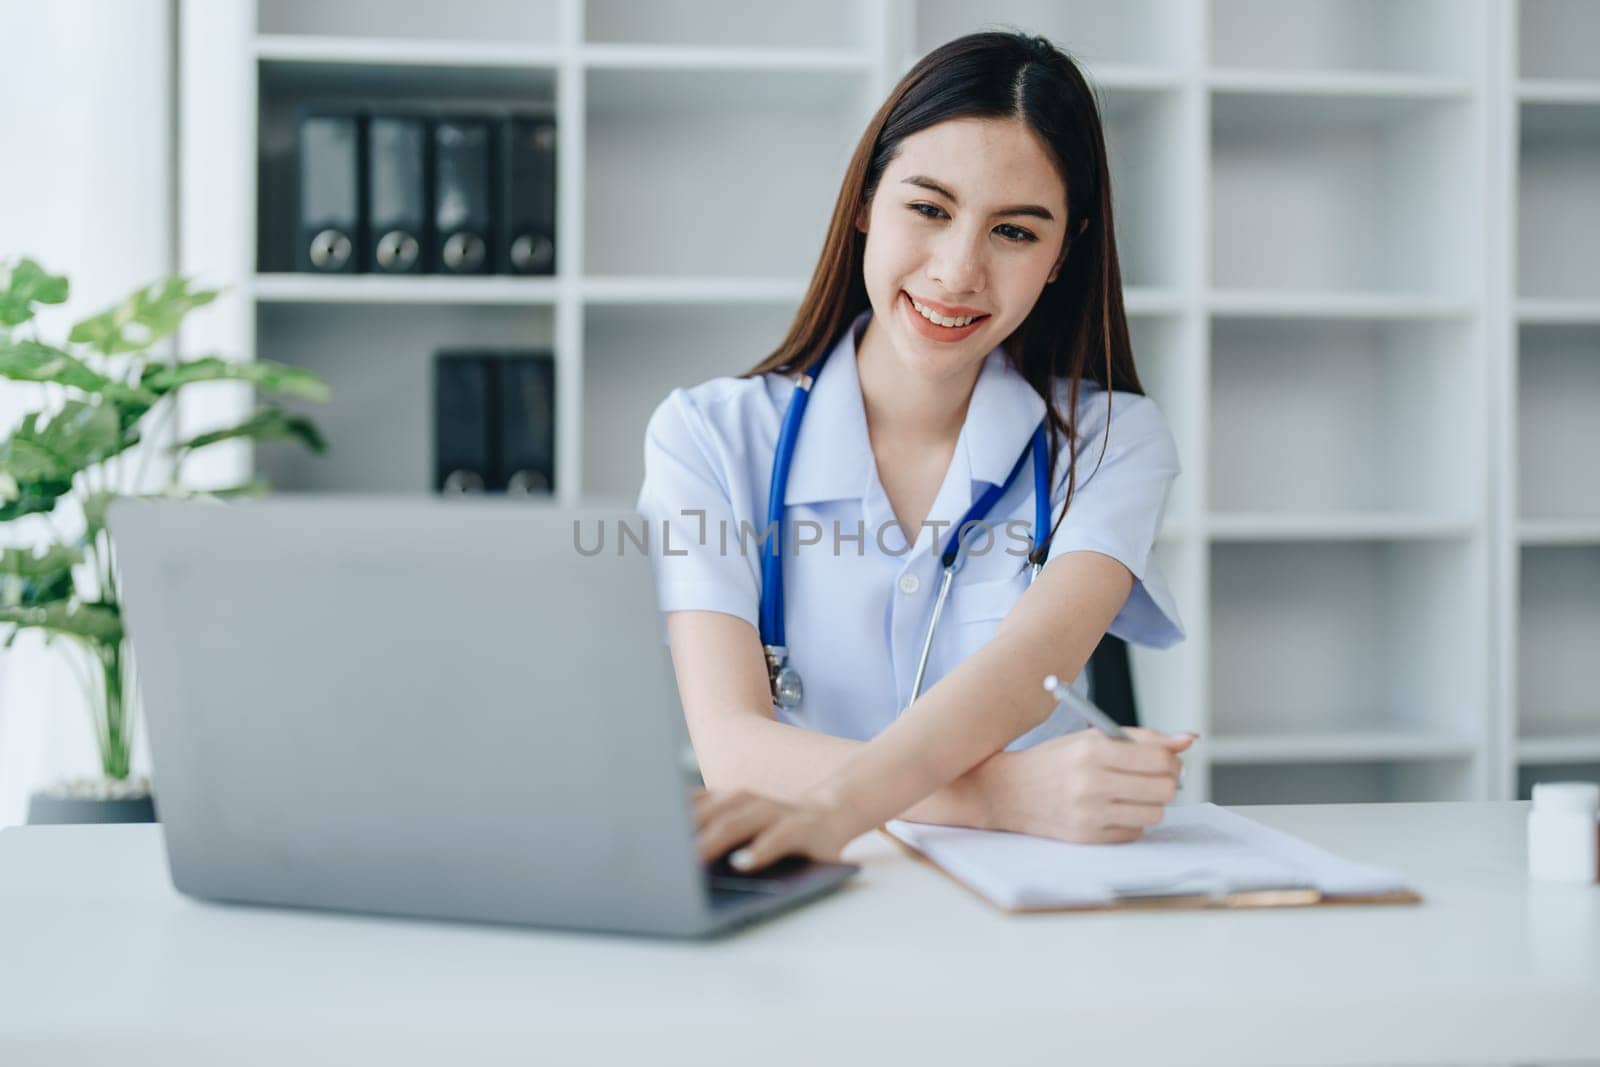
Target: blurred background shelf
1353 747
1352 526
678 57
1559 312
1324 304
290 288
1313 84
1555 750
1559 531
286 50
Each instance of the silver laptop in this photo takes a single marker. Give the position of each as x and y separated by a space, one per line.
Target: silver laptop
422 707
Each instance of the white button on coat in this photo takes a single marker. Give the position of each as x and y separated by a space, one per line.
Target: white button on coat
708 464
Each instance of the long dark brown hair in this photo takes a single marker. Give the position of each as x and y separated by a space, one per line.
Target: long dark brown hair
1077 327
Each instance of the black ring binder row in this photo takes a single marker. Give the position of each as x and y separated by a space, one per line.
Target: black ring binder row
494 422
411 193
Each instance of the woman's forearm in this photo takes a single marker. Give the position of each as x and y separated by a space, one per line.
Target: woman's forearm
762 755
991 698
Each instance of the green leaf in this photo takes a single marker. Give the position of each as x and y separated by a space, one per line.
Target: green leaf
38 463
100 623
36 498
25 285
28 580
34 361
145 317
267 424
82 433
265 375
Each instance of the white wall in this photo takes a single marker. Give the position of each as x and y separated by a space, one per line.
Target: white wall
85 188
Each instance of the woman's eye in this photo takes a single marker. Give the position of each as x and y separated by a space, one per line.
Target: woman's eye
1014 234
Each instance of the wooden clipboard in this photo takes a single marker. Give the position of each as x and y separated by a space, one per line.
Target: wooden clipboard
1255 898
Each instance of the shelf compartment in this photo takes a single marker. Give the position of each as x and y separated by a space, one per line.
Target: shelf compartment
1558 201
1315 782
401 79
1343 194
1558 634
1326 418
1337 747
520 21
1133 31
668 195
1348 637
379 367
1143 132
296 288
1165 679
1172 380
1558 422
1528 775
285 87
634 356
1556 38
725 23
1399 36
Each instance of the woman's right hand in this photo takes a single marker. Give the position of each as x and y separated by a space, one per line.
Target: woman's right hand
1085 786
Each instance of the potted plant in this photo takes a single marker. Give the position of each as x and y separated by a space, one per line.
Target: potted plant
105 392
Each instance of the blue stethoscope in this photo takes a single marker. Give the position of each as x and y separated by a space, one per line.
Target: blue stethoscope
787 690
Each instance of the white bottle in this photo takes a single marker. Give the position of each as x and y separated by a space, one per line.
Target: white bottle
1564 832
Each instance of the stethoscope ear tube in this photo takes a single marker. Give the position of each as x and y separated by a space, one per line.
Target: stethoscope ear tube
771 623
953 556
784 679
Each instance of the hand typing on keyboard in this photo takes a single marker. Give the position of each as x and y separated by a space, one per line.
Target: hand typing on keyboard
761 830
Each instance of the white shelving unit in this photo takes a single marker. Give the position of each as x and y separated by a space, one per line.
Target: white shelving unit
1550 390
1386 542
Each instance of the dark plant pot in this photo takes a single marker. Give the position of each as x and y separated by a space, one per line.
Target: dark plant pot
54 807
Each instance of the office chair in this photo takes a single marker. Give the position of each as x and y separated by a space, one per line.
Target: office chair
1111 681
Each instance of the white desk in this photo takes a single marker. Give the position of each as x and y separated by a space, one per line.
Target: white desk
101 961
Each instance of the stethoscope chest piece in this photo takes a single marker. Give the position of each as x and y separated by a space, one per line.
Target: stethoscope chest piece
787 691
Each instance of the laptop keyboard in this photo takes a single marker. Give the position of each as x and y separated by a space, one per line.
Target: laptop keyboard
730 888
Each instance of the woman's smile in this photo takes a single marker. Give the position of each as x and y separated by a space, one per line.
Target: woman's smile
934 328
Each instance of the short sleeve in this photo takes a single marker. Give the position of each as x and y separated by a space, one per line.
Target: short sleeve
687 500
1118 504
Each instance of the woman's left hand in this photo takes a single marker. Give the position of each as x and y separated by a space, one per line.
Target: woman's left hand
768 829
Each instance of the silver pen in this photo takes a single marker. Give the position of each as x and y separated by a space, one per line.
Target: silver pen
1066 698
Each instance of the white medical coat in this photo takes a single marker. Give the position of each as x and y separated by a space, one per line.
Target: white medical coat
857 608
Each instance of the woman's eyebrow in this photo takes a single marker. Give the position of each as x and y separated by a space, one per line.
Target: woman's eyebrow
1019 209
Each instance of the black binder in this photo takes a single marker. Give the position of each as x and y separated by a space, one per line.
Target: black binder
328 236
526 423
463 214
463 436
397 200
525 239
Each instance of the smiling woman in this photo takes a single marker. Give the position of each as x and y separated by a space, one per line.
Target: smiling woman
967 307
